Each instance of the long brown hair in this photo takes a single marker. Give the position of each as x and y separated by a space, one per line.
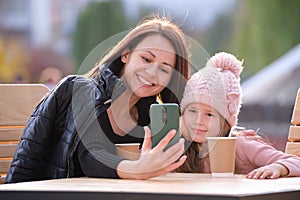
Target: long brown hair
153 25
193 163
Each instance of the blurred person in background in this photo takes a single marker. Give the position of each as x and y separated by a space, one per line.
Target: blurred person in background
50 76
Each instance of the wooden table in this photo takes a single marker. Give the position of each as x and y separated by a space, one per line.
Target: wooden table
170 186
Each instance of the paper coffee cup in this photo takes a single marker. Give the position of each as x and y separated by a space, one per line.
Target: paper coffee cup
222 155
130 151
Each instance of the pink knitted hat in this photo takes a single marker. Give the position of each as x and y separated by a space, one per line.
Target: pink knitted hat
217 85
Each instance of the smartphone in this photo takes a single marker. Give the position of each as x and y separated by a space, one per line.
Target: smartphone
163 118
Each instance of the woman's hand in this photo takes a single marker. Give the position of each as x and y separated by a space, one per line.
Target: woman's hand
271 171
154 161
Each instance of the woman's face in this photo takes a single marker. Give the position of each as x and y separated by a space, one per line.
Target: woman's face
149 67
200 121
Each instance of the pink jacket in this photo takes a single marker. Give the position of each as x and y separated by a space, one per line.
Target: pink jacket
251 154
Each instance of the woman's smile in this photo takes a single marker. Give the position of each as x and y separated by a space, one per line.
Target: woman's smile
145 81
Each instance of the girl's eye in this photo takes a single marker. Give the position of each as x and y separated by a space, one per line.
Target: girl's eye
146 59
192 111
210 114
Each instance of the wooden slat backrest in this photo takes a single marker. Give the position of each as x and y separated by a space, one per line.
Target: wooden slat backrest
293 144
296 113
17 102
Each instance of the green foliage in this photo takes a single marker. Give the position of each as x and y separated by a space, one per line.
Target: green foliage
98 22
217 37
258 31
264 31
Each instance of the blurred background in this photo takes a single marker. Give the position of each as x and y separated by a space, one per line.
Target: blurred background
42 41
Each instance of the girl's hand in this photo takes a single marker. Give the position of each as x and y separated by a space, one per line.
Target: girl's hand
251 135
271 171
153 162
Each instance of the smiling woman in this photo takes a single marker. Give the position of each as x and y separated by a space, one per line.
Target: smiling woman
72 132
148 69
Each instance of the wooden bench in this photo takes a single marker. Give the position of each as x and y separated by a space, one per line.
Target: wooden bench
293 144
17 102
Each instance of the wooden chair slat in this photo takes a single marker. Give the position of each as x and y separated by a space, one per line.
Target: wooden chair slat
2 178
7 134
4 165
7 150
293 148
294 134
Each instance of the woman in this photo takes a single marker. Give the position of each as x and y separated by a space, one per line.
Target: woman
72 131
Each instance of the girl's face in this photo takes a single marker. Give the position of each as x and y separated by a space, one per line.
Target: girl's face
149 68
200 121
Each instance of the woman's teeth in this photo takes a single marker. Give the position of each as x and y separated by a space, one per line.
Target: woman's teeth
145 81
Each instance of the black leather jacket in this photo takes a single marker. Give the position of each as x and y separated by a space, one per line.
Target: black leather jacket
52 134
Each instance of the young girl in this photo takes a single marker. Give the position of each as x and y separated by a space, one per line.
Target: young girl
72 132
210 107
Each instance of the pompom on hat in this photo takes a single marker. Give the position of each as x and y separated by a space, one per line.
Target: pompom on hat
217 85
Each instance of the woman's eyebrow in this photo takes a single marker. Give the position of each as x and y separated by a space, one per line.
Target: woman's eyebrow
154 56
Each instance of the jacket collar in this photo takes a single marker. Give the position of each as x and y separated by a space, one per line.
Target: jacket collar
114 86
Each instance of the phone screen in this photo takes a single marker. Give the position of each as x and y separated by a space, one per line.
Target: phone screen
164 117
